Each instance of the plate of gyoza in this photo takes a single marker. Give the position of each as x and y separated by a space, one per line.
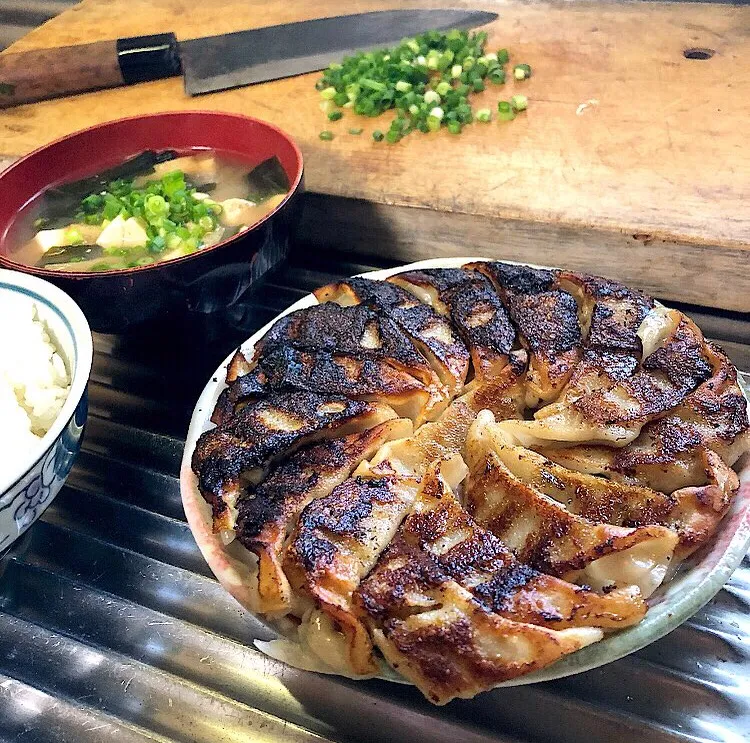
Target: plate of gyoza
465 474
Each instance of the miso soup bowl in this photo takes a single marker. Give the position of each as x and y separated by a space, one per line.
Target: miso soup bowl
211 278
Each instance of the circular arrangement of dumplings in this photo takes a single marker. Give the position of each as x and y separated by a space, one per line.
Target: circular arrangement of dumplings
468 473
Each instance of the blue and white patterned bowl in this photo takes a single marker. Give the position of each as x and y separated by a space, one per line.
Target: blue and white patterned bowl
36 480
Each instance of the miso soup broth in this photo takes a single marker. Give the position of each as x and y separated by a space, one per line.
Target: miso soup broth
154 207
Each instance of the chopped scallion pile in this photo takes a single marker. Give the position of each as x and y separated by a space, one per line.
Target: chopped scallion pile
326 136
427 80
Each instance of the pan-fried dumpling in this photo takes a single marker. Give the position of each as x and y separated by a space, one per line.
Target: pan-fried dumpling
434 286
611 397
610 314
432 333
337 541
444 438
242 387
239 451
473 307
692 512
373 380
542 533
439 534
547 322
663 457
459 649
421 612
599 429
357 331
267 514
287 369
713 416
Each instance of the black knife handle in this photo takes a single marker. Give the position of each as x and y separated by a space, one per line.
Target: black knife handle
38 74
143 58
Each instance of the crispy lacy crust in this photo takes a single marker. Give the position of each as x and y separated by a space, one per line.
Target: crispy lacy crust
351 515
431 332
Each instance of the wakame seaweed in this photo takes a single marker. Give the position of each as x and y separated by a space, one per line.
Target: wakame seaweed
70 254
266 180
59 202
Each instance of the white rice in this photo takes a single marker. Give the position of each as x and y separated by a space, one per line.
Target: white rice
34 382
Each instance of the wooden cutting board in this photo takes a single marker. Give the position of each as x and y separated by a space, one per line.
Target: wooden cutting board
632 160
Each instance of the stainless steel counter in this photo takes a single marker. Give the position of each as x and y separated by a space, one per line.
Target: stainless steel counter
112 627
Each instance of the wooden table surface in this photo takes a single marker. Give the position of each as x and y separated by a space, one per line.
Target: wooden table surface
648 183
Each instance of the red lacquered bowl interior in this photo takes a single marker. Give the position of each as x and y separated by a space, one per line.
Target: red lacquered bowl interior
90 151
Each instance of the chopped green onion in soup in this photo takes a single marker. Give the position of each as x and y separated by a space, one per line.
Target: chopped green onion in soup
163 207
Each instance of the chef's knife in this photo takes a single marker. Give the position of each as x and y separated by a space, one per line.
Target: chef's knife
215 62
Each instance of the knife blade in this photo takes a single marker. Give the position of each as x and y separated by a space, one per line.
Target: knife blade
246 57
216 63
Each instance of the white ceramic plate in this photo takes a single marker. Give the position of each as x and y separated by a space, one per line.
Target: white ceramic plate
699 578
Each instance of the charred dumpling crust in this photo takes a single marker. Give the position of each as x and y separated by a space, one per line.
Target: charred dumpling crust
473 307
610 313
439 542
243 447
546 318
431 332
356 331
338 540
267 513
468 473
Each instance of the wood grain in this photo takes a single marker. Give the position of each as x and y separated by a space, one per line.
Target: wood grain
660 152
675 271
37 74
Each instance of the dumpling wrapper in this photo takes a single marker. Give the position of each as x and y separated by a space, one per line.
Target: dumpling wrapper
440 542
444 438
269 512
240 450
543 534
468 299
693 512
663 457
546 318
337 541
611 396
432 333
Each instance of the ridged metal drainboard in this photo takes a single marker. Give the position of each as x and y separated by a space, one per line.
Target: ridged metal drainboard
112 627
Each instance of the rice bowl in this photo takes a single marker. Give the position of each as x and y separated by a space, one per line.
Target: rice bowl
34 381
46 353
